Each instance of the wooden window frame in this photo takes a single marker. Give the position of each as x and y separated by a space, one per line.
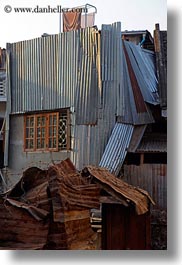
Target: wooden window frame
48 136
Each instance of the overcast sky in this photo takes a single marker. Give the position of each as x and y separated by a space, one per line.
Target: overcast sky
133 14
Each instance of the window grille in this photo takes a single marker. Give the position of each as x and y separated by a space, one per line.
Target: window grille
47 131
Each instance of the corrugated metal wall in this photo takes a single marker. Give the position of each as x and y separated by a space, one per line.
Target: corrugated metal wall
97 109
83 70
115 76
65 71
112 68
135 110
87 93
143 65
51 72
116 148
150 177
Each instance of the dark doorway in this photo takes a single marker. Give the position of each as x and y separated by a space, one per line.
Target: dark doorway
123 229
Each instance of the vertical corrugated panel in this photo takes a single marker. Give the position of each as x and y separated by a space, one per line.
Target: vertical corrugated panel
128 112
150 177
44 72
87 85
114 74
144 72
86 146
111 65
116 148
60 71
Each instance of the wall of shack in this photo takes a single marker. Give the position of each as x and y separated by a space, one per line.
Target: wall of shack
85 71
67 70
150 177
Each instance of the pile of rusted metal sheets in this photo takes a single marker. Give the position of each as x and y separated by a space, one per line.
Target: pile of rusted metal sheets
49 209
119 191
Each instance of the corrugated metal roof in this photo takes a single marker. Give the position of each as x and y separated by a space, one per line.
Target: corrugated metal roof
153 143
116 148
115 73
135 111
121 189
134 32
143 65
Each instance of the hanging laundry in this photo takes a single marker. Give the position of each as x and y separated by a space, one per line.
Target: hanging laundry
71 21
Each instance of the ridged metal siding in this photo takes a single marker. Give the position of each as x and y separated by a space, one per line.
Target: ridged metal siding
90 139
47 72
150 177
87 90
153 144
130 113
111 67
116 148
89 142
143 65
85 71
116 83
2 85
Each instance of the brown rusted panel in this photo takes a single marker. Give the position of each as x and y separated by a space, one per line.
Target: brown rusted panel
123 190
49 209
139 101
20 230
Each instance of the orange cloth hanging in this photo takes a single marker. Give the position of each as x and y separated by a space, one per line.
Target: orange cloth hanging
71 21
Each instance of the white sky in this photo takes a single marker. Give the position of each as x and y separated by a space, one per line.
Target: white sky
133 14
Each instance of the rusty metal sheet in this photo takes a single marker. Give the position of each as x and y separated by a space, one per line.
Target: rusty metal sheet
131 194
20 230
49 209
38 214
